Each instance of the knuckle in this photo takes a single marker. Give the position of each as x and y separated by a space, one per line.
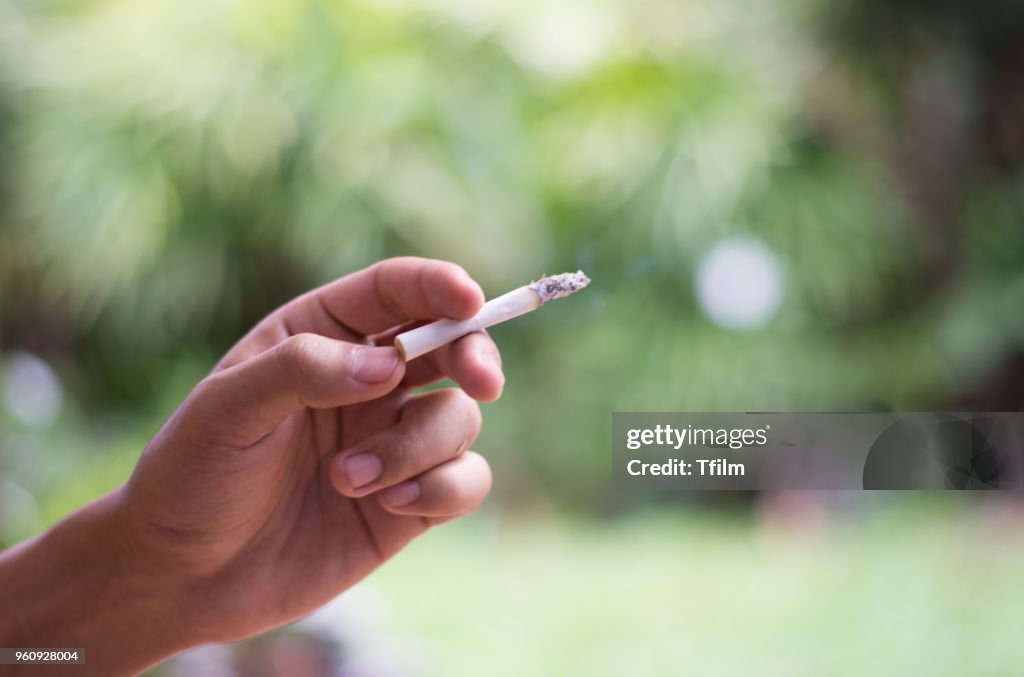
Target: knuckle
444 273
399 455
395 263
304 353
205 398
299 346
200 421
447 397
468 409
206 388
474 419
442 284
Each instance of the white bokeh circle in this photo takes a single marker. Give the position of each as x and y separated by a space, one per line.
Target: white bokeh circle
739 283
32 390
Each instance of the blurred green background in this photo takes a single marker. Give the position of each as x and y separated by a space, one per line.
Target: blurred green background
786 205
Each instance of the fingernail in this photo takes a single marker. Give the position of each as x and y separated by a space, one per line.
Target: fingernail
403 494
362 469
374 365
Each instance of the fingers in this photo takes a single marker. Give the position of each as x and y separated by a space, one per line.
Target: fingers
392 292
453 488
380 302
473 362
434 428
250 399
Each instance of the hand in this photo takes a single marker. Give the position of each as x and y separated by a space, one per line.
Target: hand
290 473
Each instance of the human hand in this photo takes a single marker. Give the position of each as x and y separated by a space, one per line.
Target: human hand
302 462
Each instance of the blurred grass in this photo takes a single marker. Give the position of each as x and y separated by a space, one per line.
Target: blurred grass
909 587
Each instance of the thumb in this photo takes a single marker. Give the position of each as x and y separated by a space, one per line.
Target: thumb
247 401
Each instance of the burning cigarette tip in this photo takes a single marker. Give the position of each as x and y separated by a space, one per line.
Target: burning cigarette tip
559 286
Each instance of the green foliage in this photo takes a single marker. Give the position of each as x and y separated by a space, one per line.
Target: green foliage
174 170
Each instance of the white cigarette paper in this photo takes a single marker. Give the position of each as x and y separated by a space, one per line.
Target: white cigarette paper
416 342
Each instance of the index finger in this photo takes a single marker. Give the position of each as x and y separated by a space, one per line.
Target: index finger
398 290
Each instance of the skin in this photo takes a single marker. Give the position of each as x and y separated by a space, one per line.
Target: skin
296 468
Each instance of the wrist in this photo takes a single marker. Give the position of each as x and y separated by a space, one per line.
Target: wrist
78 585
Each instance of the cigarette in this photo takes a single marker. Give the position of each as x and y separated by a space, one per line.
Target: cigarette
416 342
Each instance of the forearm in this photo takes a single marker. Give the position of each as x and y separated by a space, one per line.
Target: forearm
74 586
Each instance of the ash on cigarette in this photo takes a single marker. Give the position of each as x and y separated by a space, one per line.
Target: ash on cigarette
551 287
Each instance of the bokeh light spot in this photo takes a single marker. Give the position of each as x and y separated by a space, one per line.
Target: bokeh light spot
739 283
32 390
